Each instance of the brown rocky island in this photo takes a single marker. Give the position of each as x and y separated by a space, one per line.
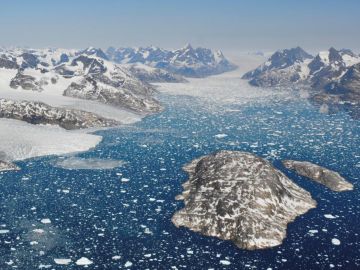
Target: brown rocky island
326 177
240 197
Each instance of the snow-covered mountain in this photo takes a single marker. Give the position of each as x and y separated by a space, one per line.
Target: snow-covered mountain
40 113
153 75
332 72
85 74
329 66
283 67
187 61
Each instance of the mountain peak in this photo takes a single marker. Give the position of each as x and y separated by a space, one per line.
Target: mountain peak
187 47
95 51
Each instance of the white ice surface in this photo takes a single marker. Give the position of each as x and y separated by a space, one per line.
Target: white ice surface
20 140
83 261
224 88
62 261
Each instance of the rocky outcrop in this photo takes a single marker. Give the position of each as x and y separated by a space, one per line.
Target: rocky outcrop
8 166
293 66
326 177
85 74
332 76
40 113
283 68
348 87
25 82
240 197
154 75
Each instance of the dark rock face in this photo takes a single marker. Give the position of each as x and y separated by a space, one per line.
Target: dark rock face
319 174
282 68
8 62
348 86
95 52
115 93
326 67
40 113
240 197
26 82
29 60
92 65
8 166
187 61
332 76
155 75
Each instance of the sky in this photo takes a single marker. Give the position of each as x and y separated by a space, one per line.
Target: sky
219 24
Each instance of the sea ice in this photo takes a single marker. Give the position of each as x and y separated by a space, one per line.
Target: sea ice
62 261
76 163
220 136
128 264
46 221
83 261
329 216
335 241
225 262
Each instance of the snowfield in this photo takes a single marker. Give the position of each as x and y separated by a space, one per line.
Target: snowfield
20 140
225 88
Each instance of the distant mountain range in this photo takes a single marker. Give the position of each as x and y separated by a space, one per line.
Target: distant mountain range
118 77
334 75
187 61
85 74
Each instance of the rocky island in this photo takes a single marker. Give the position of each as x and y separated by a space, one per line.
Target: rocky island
326 177
240 197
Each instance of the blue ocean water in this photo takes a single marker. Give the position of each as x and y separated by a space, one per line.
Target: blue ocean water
121 217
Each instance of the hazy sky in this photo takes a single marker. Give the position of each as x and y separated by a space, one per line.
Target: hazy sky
223 24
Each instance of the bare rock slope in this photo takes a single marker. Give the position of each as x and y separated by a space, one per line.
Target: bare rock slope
8 166
40 113
240 197
326 177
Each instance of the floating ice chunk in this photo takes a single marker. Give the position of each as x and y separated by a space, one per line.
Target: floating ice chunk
125 179
62 261
116 257
83 261
335 241
76 163
45 221
128 264
4 231
313 231
225 262
220 136
329 216
38 230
